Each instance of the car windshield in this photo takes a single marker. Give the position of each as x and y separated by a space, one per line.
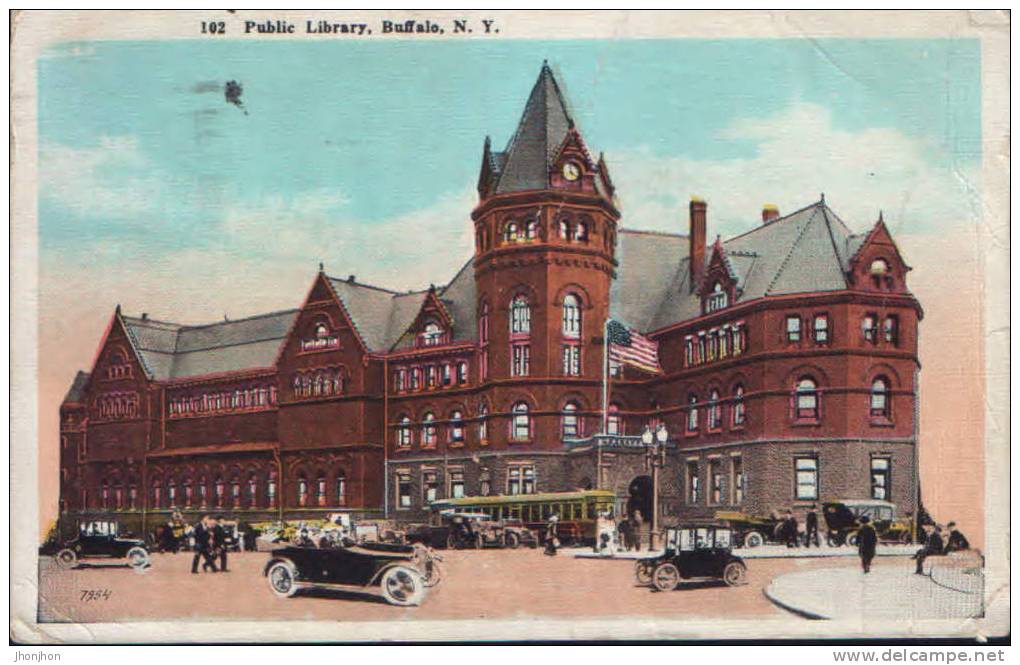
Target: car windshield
874 512
722 538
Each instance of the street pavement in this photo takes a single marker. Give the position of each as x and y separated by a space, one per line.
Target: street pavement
887 593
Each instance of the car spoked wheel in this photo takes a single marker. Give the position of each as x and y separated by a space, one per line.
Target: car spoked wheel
513 541
402 586
754 539
852 539
666 577
282 579
66 558
643 573
138 558
735 574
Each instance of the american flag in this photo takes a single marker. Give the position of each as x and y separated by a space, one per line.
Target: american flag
631 348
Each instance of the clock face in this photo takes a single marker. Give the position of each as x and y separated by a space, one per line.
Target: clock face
571 171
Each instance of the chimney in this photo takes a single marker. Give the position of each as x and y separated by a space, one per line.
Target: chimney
697 237
350 279
145 316
769 211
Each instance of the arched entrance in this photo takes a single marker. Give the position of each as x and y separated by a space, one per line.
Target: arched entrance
639 499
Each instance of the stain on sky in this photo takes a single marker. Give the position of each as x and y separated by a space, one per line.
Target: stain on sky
232 92
205 86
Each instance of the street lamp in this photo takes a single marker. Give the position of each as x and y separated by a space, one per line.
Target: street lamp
655 449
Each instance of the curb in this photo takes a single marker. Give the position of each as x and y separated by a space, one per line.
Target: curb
806 614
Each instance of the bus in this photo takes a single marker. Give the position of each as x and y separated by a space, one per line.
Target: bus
577 511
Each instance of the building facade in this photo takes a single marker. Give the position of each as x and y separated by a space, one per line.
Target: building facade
789 358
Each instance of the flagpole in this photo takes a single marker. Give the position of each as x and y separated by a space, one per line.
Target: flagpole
605 401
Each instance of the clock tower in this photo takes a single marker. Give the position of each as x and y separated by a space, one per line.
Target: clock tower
545 239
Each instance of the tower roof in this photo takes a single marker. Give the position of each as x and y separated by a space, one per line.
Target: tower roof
543 126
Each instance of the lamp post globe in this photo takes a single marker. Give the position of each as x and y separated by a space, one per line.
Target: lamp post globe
647 437
661 433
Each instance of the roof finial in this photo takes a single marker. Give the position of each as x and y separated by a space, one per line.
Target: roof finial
118 309
823 197
880 221
321 267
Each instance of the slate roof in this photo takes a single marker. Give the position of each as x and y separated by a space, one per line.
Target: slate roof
77 390
173 350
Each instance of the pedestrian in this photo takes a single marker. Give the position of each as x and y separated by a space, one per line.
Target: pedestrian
552 541
957 542
221 542
867 540
624 530
792 530
177 526
205 543
811 524
932 547
636 531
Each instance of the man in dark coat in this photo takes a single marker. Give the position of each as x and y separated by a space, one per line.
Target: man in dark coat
957 541
792 530
811 524
624 528
867 540
205 544
220 541
932 547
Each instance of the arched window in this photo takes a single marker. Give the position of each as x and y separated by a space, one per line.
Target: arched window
306 385
520 424
202 491
806 396
157 494
614 426
320 490
105 496
879 267
321 331
570 427
483 424
271 490
739 412
404 432
457 427
531 231
880 398
714 411
462 372
252 491
571 316
483 323
718 299
235 492
218 490
581 232
511 232
338 382
869 328
428 433
432 335
692 413
302 490
564 228
520 316
187 492
341 488
133 497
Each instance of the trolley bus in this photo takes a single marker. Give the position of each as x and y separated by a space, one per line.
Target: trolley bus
577 511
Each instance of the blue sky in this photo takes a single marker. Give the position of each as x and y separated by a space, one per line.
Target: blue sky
378 129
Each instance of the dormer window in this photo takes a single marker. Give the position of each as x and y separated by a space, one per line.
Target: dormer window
322 338
879 267
432 335
120 367
717 299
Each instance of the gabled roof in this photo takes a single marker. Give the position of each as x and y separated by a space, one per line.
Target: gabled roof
173 350
542 129
77 390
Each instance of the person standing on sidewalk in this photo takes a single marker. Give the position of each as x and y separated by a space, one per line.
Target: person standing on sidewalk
636 523
552 541
811 524
867 540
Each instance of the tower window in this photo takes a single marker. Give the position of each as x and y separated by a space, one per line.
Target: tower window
483 424
806 399
718 299
520 360
739 409
821 329
569 422
520 424
432 335
571 316
428 434
792 328
880 478
520 316
571 360
869 328
404 432
457 427
879 398
614 426
511 232
806 471
891 330
692 413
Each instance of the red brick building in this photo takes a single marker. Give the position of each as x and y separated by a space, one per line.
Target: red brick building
789 356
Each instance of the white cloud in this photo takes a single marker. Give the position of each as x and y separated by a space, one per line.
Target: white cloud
799 154
112 179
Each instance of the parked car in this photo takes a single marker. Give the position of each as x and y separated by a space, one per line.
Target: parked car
401 574
462 530
101 539
749 530
843 519
693 553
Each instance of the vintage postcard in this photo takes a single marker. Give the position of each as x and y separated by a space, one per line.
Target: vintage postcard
365 326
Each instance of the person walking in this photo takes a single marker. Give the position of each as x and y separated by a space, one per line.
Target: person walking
867 541
957 542
624 529
932 547
552 541
205 543
792 530
636 530
220 541
811 524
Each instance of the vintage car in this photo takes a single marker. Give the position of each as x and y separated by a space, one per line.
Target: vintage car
693 553
401 574
748 530
463 530
843 518
99 538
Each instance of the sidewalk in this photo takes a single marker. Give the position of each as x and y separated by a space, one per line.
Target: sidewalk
889 592
763 552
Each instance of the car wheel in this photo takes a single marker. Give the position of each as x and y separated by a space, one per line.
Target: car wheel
851 539
754 539
66 558
137 557
402 586
283 579
666 577
643 573
451 542
512 540
734 574
433 572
